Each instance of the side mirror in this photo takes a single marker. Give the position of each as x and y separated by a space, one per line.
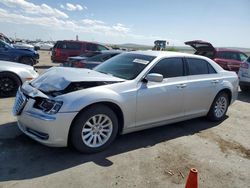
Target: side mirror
154 77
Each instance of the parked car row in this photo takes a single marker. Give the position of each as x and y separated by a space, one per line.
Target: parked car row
129 92
68 48
124 92
84 61
24 56
43 46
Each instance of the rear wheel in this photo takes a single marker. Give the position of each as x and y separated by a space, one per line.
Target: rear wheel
27 61
219 107
244 88
94 129
9 84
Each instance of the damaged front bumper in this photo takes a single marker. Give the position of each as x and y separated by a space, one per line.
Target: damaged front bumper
48 129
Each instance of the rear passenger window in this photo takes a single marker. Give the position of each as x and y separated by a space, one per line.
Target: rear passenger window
197 66
91 47
170 67
68 45
73 46
211 69
100 48
228 55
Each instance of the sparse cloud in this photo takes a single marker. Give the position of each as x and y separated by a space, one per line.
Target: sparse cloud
86 25
31 8
121 28
46 16
72 7
92 22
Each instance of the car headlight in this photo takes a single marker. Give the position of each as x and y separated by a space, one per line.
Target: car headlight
48 106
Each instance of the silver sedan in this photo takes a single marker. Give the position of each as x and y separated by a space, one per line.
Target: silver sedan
127 93
13 75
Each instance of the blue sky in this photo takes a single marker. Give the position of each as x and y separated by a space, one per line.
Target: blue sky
221 22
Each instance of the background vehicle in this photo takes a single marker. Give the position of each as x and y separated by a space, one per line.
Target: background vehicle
21 45
91 62
12 75
24 56
68 48
244 75
159 45
43 46
228 59
88 108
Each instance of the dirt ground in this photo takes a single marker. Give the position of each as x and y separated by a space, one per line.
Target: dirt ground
159 157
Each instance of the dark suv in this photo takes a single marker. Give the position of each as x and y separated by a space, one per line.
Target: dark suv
68 48
25 56
228 59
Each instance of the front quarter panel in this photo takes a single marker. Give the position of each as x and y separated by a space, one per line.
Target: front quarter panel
121 94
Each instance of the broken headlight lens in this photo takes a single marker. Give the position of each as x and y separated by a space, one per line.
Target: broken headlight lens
49 106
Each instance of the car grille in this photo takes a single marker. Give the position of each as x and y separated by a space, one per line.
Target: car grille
19 104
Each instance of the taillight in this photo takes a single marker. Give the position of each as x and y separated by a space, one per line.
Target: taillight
58 52
244 65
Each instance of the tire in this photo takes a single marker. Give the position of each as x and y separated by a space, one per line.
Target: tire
84 142
219 107
9 84
244 88
27 61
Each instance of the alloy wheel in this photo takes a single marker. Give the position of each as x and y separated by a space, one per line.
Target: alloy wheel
97 130
220 107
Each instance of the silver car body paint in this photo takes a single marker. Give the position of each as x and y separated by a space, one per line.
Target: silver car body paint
24 72
144 105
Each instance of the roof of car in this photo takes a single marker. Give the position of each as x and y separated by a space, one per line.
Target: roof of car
164 53
79 41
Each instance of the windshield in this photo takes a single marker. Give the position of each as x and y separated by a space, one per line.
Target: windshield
126 66
4 44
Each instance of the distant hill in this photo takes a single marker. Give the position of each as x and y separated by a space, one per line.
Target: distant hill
178 48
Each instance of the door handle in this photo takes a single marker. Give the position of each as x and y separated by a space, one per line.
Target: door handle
215 81
181 86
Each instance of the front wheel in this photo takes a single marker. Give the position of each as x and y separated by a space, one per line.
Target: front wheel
94 129
219 107
9 84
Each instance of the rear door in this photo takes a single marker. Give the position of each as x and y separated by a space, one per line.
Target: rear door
202 86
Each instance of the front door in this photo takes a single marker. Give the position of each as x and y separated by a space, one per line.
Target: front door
158 102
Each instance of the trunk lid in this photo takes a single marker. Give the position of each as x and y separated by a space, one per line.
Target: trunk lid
200 45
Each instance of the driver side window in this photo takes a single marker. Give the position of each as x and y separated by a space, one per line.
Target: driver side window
169 68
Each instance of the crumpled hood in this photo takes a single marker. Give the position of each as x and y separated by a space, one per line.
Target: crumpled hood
58 78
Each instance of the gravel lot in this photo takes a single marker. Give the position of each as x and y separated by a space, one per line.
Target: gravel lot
159 157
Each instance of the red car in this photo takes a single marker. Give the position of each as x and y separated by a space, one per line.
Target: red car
68 48
228 59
